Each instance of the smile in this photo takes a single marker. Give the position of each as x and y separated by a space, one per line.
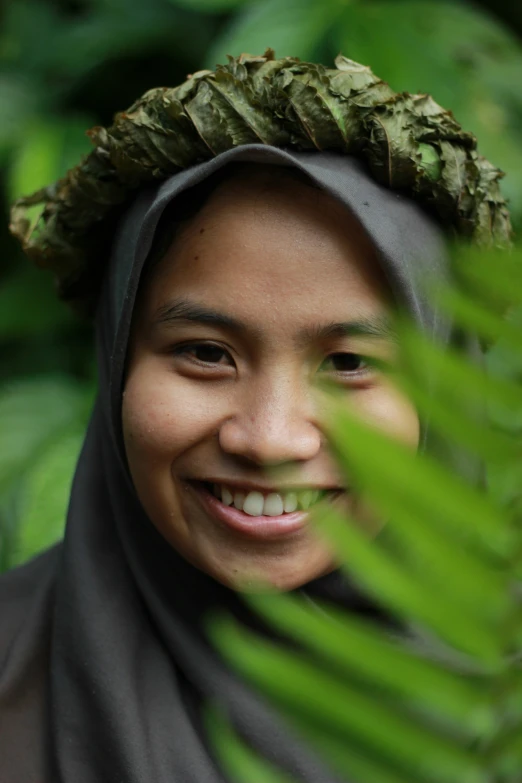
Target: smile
259 515
271 504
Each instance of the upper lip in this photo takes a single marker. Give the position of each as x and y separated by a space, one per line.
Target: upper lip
253 486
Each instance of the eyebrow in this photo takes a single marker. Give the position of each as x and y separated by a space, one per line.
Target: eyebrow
182 309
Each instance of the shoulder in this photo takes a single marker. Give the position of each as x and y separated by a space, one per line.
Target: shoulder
26 612
18 585
26 598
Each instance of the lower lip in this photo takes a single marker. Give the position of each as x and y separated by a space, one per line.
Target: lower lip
262 527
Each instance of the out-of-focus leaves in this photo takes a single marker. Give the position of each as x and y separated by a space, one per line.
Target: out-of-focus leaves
47 149
210 6
401 590
45 497
29 305
472 315
30 33
33 414
492 275
112 35
379 697
292 29
437 495
239 762
346 710
506 10
503 361
47 43
353 646
439 370
19 103
42 422
350 759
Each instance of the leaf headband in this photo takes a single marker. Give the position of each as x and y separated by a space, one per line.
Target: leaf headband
409 142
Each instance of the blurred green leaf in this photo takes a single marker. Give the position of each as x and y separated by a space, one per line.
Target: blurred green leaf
240 763
30 32
505 362
353 645
29 305
450 422
389 581
292 28
351 759
446 500
42 424
19 103
314 694
474 317
444 567
355 684
46 151
210 6
33 413
492 274
45 496
447 367
117 33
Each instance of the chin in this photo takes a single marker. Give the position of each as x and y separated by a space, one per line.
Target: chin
278 577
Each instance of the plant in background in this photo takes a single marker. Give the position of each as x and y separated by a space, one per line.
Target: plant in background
437 698
42 424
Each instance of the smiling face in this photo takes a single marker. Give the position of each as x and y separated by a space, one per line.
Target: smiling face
272 287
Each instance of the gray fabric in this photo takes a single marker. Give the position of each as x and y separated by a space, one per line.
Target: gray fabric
108 624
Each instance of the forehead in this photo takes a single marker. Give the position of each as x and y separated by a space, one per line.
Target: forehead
268 239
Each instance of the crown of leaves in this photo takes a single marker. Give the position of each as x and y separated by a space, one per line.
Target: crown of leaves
408 141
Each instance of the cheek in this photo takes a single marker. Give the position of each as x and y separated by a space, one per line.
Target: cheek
387 408
162 416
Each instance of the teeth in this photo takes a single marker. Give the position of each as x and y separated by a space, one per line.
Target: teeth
290 503
226 495
305 498
239 499
274 504
253 504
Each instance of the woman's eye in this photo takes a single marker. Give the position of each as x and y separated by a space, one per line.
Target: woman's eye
207 353
347 362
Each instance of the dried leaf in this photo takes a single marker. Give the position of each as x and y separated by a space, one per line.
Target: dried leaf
409 142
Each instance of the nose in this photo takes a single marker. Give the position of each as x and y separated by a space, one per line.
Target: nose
274 424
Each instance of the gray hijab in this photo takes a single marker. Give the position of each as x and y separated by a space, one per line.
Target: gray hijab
104 664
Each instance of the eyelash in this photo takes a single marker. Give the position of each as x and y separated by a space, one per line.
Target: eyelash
182 350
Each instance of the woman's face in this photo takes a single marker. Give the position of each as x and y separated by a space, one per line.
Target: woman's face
270 289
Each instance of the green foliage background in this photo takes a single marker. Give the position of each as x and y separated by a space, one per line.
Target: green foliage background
66 65
446 706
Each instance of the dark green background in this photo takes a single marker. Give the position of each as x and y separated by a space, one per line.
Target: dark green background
65 66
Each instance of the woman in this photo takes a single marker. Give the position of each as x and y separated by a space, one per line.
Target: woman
233 287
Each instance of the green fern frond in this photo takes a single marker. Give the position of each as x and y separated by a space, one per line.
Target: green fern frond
437 698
